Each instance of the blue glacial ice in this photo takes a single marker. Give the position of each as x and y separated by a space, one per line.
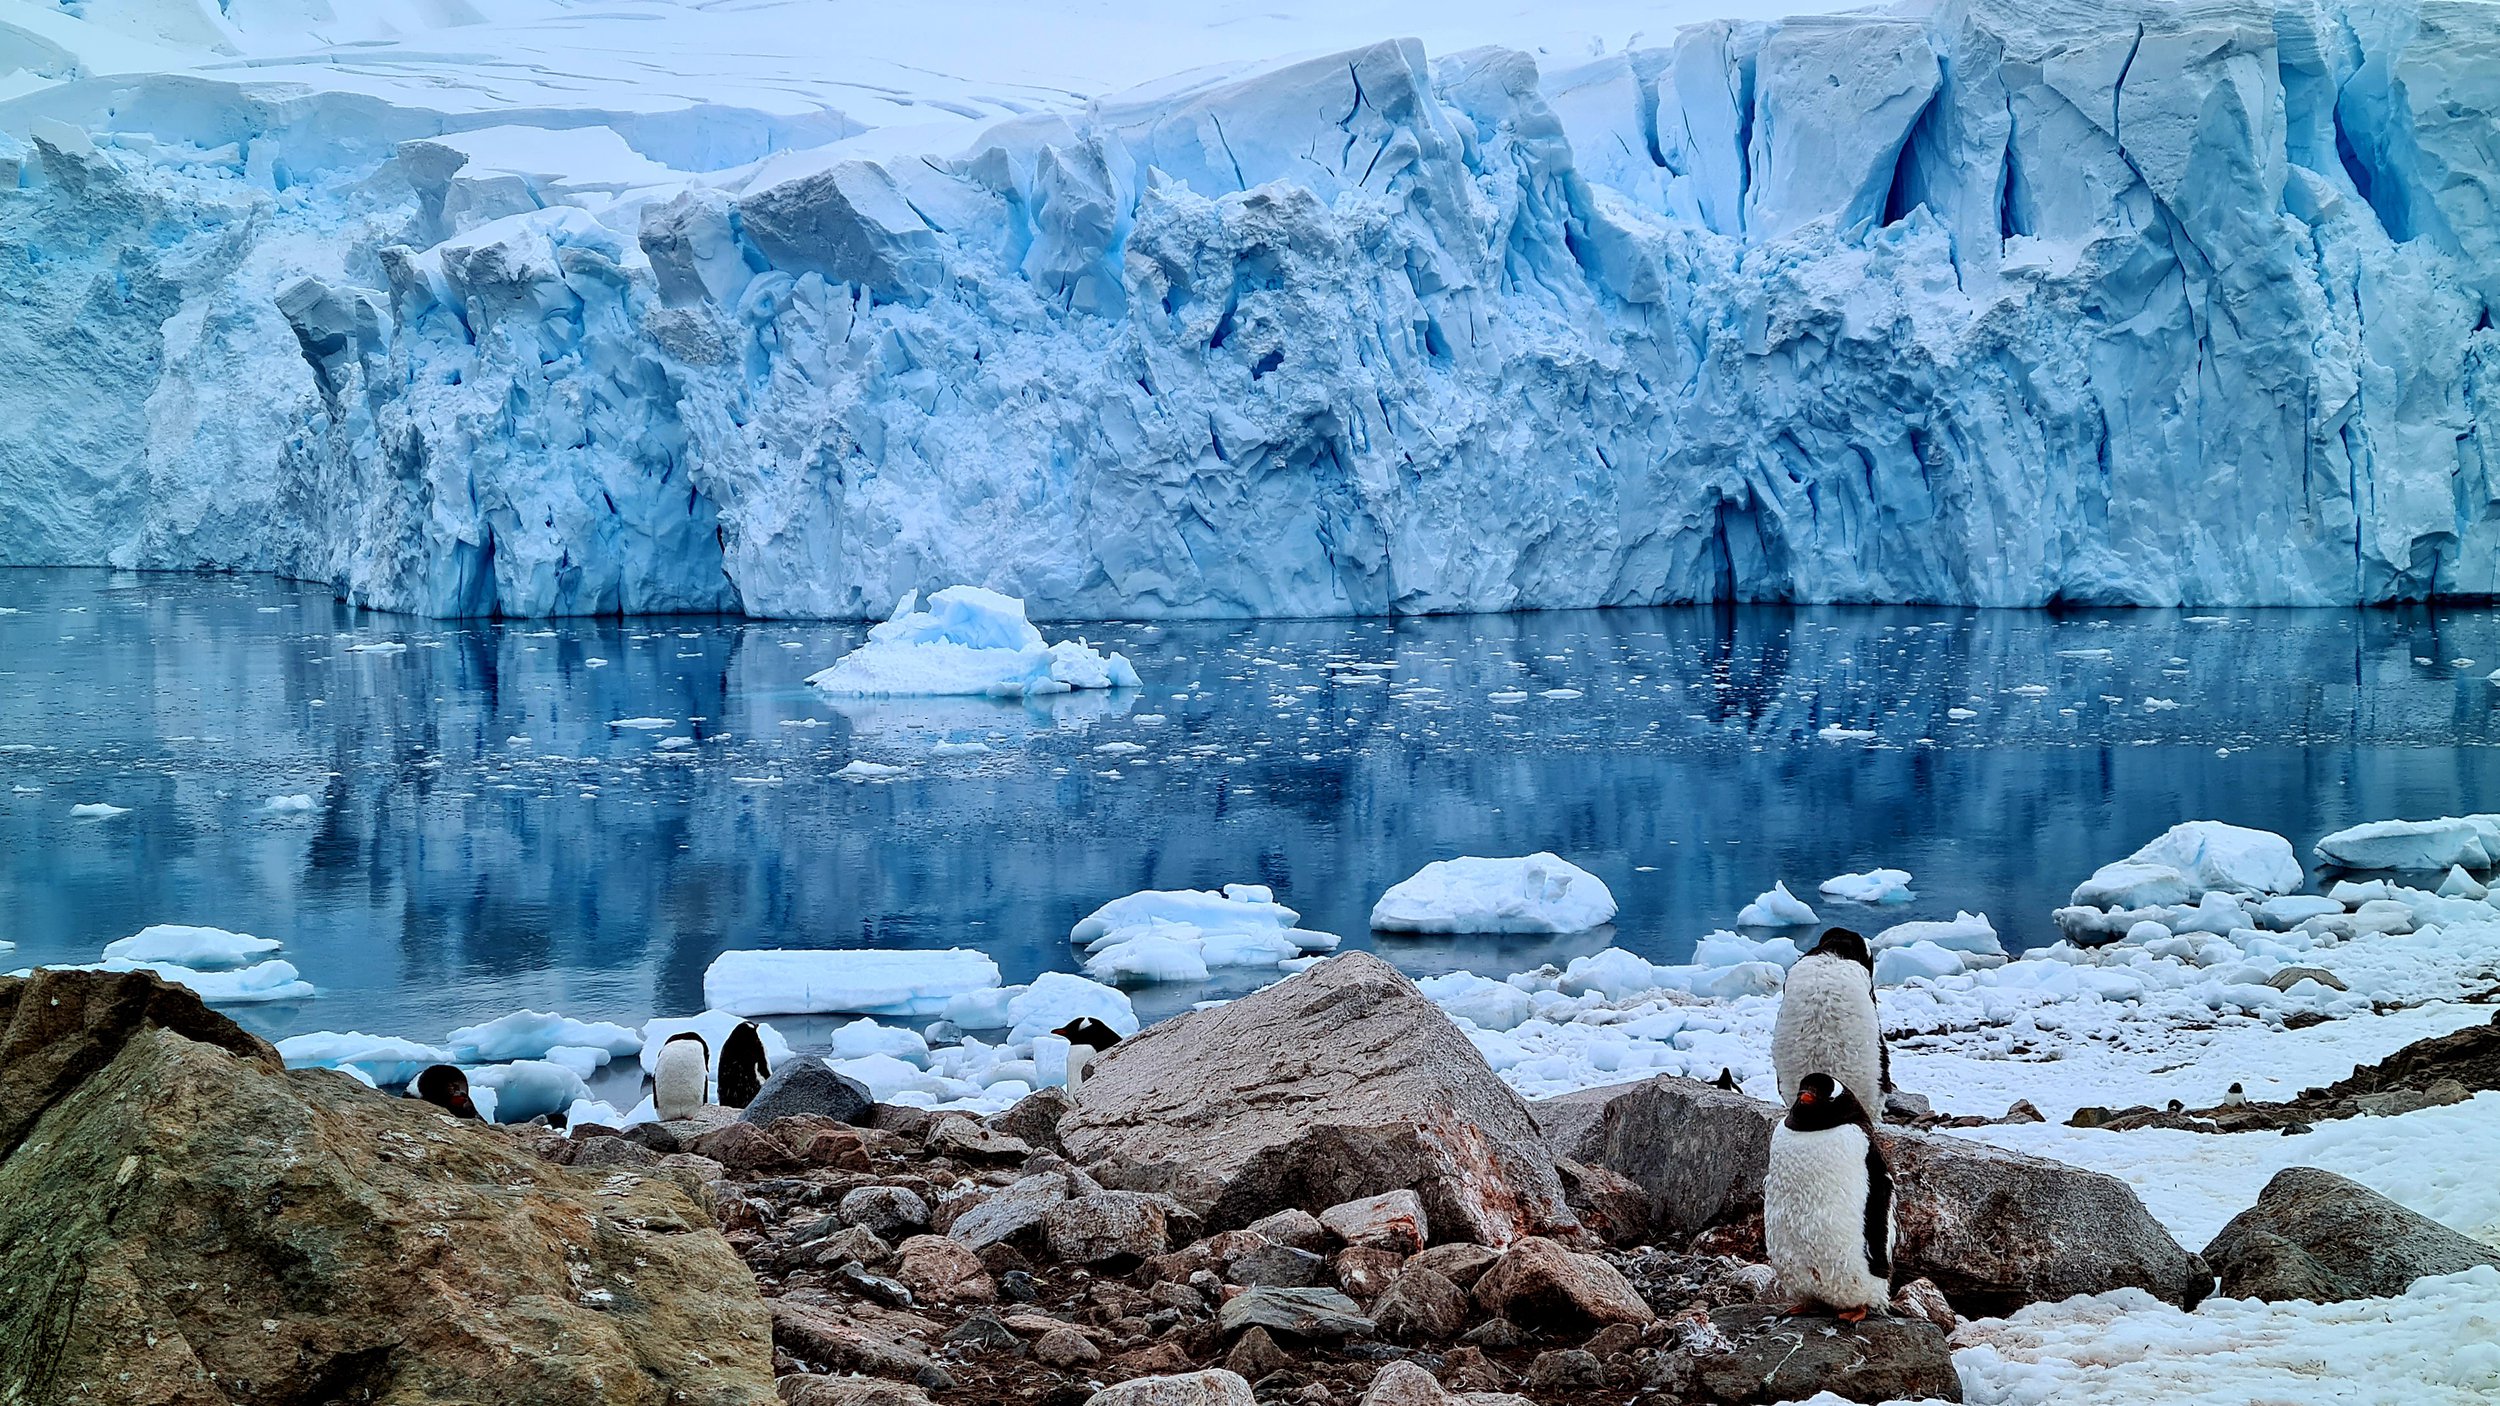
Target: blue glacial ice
2117 302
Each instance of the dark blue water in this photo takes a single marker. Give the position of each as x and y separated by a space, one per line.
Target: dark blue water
484 840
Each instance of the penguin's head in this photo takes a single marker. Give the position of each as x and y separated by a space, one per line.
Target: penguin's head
745 1042
446 1088
1841 942
1823 1102
1089 1032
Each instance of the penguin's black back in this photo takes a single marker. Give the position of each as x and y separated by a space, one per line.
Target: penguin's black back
1842 942
743 1068
1089 1032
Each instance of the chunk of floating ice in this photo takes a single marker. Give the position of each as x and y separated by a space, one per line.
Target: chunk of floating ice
378 647
1777 909
969 641
863 770
531 1034
385 1059
527 1088
1834 732
644 724
96 810
201 949
886 1077
2460 884
1969 933
714 1027
589 1112
1728 949
865 1036
1178 934
2231 858
269 981
301 803
1873 886
1481 1001
1895 965
2428 845
855 981
1537 893
2125 884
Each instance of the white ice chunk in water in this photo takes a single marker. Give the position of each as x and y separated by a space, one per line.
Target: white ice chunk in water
1179 934
2232 858
201 949
1056 998
1479 1000
301 803
96 810
2124 884
269 981
969 641
851 981
531 1034
866 1037
864 770
1895 965
386 1059
1536 893
527 1088
1873 886
2460 884
2425 845
1777 908
1968 933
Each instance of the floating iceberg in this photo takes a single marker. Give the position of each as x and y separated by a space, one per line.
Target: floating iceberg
268 981
969 641
1178 934
96 810
2232 858
1777 909
201 949
1873 886
526 1089
382 1059
1537 893
1969 933
2424 845
864 1037
531 1034
850 981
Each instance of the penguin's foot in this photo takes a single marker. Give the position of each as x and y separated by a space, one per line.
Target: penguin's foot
1852 1315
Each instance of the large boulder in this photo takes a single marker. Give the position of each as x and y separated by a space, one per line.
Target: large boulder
2314 1235
808 1085
1758 1353
188 1216
1539 1284
1994 1229
1339 1083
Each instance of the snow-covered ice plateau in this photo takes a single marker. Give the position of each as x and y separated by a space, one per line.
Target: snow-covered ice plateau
468 309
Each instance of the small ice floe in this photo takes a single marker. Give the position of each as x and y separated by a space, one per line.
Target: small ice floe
2460 884
378 647
594 663
678 743
2159 705
865 770
969 641
1777 908
1936 948
96 810
1508 695
853 981
1873 886
2189 859
644 724
301 803
201 949
269 981
959 749
1560 693
2030 690
1834 732
1178 934
525 1089
381 1059
532 1034
1961 715
1536 893
2426 845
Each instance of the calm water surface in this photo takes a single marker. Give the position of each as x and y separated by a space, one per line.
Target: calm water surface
483 839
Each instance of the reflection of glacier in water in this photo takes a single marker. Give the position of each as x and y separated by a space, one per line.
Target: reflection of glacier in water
484 838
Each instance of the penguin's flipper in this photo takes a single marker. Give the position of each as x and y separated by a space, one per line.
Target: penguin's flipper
1883 1059
1878 1212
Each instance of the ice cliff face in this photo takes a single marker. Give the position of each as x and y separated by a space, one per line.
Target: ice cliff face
2158 303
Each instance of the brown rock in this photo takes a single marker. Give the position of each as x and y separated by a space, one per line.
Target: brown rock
1107 1227
1256 1355
967 1140
1920 1298
890 1211
1276 1267
1065 1348
822 1339
1421 1306
1011 1212
1034 1119
1392 1220
173 1207
1696 1149
1565 1369
743 1147
1295 1227
1462 1265
604 1153
1404 1384
941 1270
855 1244
1337 1083
1755 1353
804 1389
1215 1388
1539 1284
2316 1236
1469 1371
1610 1206
1364 1271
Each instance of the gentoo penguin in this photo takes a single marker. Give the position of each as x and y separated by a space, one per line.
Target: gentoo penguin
446 1088
2234 1097
1827 1021
1827 1203
1727 1079
683 1076
743 1068
1086 1037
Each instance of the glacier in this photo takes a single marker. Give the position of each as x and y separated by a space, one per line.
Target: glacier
2126 303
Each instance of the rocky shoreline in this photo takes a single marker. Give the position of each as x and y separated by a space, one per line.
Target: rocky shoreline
1316 1194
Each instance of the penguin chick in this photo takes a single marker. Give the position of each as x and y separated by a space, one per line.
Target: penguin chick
446 1088
2234 1096
1086 1037
1827 1021
683 1076
743 1067
1827 1203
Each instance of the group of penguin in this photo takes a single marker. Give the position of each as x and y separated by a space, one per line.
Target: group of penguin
683 1074
1827 1194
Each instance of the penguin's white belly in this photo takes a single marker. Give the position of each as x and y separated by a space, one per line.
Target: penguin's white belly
1814 1218
1827 1025
1080 1058
679 1084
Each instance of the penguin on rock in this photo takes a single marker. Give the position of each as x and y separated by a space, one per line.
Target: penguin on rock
683 1078
1827 1022
1827 1203
743 1066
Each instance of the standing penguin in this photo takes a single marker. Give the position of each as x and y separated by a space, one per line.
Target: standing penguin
1086 1037
1827 1203
683 1078
1827 1021
743 1068
446 1088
